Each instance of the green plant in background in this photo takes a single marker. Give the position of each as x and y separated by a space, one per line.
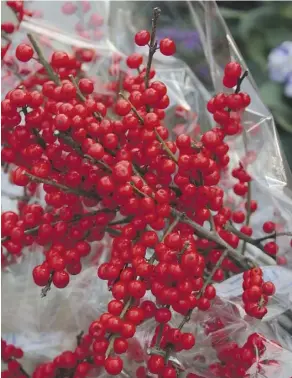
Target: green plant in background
259 32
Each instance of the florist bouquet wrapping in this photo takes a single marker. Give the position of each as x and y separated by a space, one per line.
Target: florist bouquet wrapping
146 224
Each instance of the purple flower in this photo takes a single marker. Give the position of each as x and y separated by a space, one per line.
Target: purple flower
280 66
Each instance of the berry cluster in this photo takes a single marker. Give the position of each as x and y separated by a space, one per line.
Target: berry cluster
236 361
256 293
159 199
226 108
9 355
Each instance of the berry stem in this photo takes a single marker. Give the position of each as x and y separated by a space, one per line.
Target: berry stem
79 192
97 115
141 120
239 82
76 218
113 336
152 44
165 147
47 288
51 73
272 236
79 337
210 235
24 372
248 213
255 242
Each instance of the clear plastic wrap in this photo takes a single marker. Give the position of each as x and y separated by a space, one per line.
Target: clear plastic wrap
44 327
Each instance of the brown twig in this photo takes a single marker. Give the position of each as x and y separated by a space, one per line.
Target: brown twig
76 218
47 288
248 214
79 337
239 82
134 110
97 115
165 147
51 73
113 336
271 236
79 192
152 44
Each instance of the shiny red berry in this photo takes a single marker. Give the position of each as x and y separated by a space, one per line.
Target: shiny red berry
24 52
167 46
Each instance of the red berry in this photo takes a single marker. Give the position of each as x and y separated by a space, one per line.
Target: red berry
245 98
271 248
229 81
238 216
254 293
59 59
142 37
41 275
203 304
86 86
187 340
167 46
135 60
269 288
269 227
163 315
155 363
113 365
96 151
120 345
24 52
61 279
211 139
246 230
232 69
122 107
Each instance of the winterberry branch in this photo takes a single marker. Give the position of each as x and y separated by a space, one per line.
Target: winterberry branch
248 213
113 336
79 337
47 288
78 192
165 147
121 221
76 218
51 73
210 235
271 236
24 372
152 44
134 110
239 82
97 115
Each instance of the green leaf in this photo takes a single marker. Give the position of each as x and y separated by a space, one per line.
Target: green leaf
255 19
272 95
